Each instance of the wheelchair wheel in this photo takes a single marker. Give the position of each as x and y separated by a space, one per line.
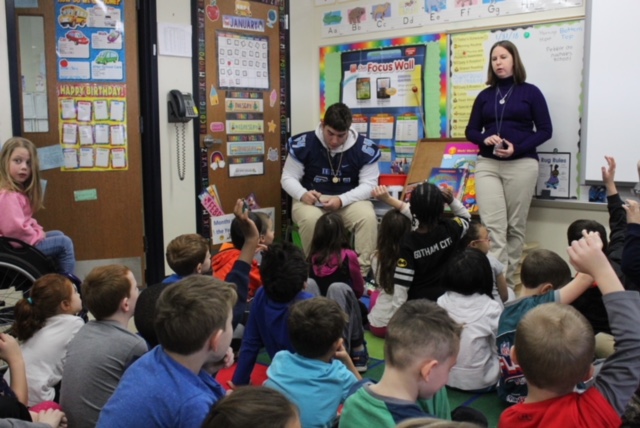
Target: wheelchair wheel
15 283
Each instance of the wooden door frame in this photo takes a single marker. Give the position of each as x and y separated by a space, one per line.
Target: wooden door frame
150 127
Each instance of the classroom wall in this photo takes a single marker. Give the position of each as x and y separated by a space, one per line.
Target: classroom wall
178 197
545 225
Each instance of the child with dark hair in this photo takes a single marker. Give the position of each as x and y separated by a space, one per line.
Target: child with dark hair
45 322
544 275
332 259
554 345
103 348
478 237
393 227
284 271
425 251
469 301
223 260
335 273
189 255
319 375
590 304
249 407
172 384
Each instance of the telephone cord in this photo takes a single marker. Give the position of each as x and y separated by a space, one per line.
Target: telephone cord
181 150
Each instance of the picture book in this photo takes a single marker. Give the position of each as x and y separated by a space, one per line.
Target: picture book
452 178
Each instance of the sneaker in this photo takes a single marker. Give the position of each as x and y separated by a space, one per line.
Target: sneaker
360 359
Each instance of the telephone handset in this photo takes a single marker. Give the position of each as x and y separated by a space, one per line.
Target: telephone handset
182 108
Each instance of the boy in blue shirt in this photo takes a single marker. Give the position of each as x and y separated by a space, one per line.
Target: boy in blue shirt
172 385
319 375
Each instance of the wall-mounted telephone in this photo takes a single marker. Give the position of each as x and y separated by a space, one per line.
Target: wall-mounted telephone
182 108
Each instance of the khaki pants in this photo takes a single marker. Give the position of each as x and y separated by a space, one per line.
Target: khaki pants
359 218
504 190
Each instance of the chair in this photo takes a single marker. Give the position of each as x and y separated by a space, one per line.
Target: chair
20 265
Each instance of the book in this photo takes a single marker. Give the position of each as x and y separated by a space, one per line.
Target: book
452 178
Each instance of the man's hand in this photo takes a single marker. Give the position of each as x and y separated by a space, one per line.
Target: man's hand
633 211
312 197
333 203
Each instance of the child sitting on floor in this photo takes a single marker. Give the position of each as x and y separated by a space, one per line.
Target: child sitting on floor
104 348
555 348
45 322
469 302
284 273
543 274
318 376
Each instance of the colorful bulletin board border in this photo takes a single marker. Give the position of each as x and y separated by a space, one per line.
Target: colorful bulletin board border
435 74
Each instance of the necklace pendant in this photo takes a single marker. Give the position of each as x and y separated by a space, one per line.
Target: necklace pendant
335 180
501 101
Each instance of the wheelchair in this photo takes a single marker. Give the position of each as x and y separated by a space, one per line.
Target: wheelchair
20 266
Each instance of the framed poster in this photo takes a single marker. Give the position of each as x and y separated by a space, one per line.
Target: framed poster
553 175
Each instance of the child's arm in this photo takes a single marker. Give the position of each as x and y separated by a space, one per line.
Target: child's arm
14 223
251 344
620 374
239 275
617 214
501 283
381 193
11 353
250 232
630 262
357 281
456 206
343 355
586 256
578 285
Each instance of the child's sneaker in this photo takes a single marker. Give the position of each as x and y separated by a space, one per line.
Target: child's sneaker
360 359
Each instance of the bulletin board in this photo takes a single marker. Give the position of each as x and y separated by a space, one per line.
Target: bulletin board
549 52
242 128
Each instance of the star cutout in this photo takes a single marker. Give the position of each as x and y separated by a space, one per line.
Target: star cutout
272 126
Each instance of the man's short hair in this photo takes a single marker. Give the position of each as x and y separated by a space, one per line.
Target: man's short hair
544 266
554 346
237 237
338 116
191 310
284 271
574 231
186 252
104 288
420 329
315 325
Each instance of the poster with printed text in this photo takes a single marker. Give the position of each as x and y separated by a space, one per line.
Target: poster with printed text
90 40
93 126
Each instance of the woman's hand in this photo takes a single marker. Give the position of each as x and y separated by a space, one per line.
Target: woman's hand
504 153
492 140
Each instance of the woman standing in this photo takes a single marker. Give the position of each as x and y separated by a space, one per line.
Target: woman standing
509 119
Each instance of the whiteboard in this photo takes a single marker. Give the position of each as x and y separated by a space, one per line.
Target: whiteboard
612 91
552 55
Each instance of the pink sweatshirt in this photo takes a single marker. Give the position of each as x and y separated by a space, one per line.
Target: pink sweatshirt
16 218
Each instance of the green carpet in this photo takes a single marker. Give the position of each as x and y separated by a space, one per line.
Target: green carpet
488 403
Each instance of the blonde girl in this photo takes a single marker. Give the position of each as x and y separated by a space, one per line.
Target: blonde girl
21 196
45 322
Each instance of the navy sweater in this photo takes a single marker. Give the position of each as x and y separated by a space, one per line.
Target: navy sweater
525 123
